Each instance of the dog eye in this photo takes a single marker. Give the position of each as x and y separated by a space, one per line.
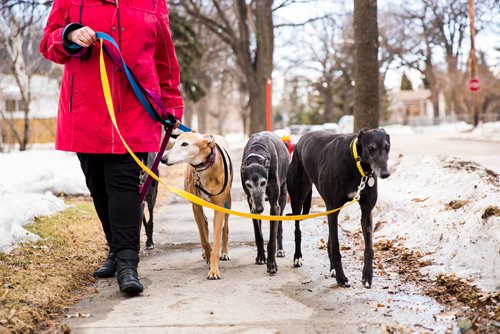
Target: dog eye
185 144
263 184
372 148
248 184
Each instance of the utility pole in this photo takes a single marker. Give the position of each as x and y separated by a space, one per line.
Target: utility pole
473 82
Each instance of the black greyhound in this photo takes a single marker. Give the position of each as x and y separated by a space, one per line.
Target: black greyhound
150 199
332 163
263 176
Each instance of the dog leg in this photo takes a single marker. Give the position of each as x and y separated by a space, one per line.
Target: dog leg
282 203
149 229
202 224
259 242
214 273
367 227
272 266
225 234
334 249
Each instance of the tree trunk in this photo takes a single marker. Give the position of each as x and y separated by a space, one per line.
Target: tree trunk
263 65
366 73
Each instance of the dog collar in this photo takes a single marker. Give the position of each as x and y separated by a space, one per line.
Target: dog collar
357 158
207 163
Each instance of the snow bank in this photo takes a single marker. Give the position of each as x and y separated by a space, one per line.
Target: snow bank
414 206
27 184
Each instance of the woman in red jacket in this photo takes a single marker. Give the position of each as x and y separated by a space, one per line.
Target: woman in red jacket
141 28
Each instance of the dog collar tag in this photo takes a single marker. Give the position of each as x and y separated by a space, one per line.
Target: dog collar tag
371 181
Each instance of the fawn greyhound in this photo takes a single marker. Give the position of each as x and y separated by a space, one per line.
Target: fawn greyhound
208 175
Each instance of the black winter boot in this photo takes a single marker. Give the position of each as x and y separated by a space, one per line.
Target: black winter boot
126 271
108 267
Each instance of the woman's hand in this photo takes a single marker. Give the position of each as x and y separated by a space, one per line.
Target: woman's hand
84 37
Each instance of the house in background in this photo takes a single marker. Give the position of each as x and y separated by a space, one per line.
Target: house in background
414 107
43 109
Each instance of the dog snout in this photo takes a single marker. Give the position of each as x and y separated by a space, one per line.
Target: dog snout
164 160
259 208
385 174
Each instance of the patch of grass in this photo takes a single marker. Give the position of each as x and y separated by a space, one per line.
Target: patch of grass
40 280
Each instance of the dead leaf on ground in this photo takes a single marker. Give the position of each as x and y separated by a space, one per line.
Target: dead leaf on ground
491 211
419 200
456 204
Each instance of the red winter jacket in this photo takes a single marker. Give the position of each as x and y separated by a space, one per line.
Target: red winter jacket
142 31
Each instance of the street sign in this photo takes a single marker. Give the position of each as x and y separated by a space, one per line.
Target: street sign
474 85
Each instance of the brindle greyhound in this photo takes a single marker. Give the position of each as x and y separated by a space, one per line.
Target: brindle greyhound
208 175
263 176
332 164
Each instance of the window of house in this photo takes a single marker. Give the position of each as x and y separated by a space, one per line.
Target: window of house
10 105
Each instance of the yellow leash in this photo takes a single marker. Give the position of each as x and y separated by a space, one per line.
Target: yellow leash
184 194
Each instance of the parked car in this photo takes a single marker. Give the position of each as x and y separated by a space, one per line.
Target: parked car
346 124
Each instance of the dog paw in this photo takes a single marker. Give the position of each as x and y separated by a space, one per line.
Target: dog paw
297 262
367 280
272 267
225 257
343 282
280 253
213 274
332 273
260 259
150 246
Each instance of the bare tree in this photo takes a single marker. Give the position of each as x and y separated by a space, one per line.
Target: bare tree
20 33
366 72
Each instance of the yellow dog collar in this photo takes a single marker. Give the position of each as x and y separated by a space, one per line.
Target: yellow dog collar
357 158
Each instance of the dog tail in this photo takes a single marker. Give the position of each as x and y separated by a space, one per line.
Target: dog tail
307 203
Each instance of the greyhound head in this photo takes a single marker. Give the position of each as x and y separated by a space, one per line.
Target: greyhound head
375 145
254 178
190 147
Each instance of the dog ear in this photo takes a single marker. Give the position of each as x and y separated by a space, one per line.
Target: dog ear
210 140
361 133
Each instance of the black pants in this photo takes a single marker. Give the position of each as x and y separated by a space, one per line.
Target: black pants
113 181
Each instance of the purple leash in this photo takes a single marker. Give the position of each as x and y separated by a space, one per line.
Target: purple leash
154 168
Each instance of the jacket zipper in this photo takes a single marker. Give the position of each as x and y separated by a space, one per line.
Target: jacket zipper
71 93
